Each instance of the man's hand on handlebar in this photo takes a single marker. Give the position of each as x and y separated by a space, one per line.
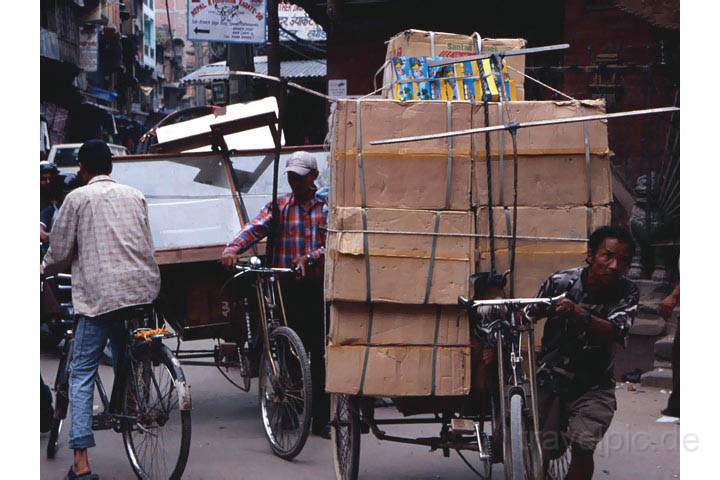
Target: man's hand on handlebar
301 264
568 308
229 259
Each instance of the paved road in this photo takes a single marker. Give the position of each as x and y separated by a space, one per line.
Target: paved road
228 442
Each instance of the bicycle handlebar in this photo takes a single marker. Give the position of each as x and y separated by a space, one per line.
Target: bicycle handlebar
551 301
243 269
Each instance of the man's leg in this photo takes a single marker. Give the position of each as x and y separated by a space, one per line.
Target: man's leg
589 419
304 306
90 338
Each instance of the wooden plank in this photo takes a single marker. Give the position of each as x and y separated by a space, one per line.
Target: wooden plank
191 254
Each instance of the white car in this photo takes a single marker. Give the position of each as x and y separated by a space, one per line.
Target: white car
65 155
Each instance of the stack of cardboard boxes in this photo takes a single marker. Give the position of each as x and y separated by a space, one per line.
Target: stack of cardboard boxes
409 224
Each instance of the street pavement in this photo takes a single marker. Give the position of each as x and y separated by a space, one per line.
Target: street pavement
228 441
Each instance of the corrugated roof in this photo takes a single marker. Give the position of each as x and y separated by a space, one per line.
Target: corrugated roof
288 69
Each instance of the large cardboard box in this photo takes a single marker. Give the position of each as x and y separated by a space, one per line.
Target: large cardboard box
407 325
547 180
414 175
399 262
421 43
398 371
536 260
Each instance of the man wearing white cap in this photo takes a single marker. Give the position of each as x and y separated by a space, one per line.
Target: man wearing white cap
299 241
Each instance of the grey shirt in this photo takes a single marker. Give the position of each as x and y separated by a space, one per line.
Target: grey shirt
103 230
591 360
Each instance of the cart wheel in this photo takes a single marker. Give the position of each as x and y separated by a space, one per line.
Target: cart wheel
345 436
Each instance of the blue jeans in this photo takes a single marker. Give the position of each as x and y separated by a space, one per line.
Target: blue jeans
91 335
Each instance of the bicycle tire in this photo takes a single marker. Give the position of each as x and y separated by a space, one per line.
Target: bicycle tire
141 362
61 387
271 395
521 468
345 436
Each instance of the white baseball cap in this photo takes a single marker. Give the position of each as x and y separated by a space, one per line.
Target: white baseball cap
301 162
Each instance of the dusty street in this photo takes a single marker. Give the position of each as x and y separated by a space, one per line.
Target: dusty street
228 442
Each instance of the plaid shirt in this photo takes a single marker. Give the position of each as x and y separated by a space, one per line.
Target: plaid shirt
301 232
103 230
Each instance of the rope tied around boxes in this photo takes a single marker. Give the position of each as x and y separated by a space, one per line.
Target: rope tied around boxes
366 243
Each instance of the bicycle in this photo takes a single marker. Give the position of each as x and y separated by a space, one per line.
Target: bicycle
499 323
514 435
284 381
149 403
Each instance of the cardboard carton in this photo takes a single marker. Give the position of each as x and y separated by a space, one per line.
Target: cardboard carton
392 325
399 262
414 175
398 371
537 260
547 180
420 43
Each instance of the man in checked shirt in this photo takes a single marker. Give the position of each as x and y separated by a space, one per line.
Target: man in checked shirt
103 231
300 242
582 333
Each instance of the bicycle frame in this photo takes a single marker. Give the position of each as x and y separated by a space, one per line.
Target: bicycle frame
270 301
509 333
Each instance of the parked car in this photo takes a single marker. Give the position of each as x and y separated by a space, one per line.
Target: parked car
65 155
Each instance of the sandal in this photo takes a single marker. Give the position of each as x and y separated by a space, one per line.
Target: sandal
85 476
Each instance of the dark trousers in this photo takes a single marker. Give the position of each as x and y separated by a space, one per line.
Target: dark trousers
46 409
305 311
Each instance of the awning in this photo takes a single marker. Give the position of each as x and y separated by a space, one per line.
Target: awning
288 69
102 94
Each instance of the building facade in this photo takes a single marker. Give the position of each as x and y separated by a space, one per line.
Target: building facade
95 81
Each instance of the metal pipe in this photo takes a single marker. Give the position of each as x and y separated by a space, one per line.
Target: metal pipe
532 373
504 53
536 123
405 421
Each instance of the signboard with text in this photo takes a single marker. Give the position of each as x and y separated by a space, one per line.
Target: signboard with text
88 48
227 21
295 22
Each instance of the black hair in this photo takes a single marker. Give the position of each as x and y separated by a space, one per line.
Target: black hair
48 167
96 157
600 234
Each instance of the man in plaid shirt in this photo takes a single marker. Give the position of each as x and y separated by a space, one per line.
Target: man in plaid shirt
301 226
300 241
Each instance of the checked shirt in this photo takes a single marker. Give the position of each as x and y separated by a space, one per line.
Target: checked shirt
103 230
301 232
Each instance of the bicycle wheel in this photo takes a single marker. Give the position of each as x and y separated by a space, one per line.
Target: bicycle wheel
522 444
62 379
157 439
285 398
345 436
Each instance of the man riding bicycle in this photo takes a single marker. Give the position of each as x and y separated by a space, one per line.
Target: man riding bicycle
300 242
103 230
583 331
